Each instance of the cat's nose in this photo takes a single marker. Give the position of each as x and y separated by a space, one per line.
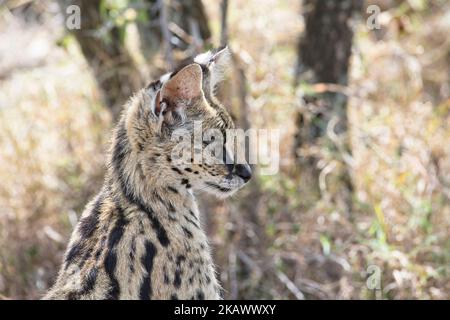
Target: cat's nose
244 171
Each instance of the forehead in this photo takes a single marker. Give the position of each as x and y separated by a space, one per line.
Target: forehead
220 117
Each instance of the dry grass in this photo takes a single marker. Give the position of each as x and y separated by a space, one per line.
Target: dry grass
52 146
273 240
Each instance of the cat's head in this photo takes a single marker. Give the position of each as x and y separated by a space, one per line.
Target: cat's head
177 129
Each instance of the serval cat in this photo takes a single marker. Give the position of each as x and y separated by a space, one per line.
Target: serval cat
141 236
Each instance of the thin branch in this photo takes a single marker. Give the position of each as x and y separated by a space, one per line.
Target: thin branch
290 285
179 32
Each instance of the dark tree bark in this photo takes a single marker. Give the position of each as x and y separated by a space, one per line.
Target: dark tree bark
175 24
113 68
150 30
191 16
112 65
323 57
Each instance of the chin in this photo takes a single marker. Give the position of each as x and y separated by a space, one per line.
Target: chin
224 188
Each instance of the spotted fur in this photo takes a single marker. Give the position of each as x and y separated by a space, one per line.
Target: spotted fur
141 237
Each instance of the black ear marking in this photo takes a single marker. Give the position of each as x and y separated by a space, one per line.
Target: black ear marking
217 53
204 68
155 85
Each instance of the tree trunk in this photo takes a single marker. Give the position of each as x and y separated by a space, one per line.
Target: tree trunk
172 24
323 57
178 25
149 29
113 68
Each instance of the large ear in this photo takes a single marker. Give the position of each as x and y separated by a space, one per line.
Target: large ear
183 86
177 93
217 62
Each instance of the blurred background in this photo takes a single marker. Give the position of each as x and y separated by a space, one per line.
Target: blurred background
359 91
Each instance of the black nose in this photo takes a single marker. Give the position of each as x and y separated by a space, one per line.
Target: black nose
244 171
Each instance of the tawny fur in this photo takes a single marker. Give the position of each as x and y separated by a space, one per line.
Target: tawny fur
141 236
